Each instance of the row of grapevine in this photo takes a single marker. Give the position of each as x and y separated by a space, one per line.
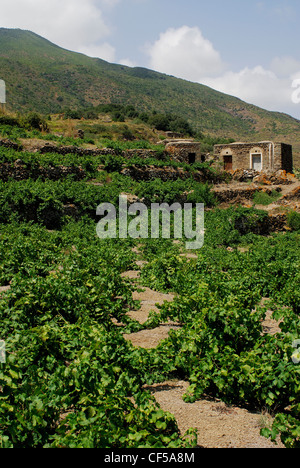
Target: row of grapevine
72 380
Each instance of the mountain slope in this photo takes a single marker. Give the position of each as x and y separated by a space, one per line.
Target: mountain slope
41 76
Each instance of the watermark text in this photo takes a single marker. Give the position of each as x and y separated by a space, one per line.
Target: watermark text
138 221
2 352
2 92
296 354
296 93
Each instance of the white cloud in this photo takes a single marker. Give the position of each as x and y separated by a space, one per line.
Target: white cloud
255 85
261 87
72 24
109 3
128 62
185 53
105 51
285 66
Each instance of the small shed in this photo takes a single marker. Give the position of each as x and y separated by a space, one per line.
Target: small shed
261 156
185 151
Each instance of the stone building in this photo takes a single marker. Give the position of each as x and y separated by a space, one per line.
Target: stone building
262 156
185 151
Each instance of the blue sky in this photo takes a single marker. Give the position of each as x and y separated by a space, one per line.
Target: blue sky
245 32
246 48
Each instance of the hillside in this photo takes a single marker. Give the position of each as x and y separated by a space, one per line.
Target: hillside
43 77
121 344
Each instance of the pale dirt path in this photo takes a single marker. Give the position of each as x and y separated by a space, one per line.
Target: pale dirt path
148 339
218 425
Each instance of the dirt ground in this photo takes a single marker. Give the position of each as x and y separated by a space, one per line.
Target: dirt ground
289 195
218 425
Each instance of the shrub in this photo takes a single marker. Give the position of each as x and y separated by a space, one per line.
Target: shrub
293 221
262 198
118 117
35 121
73 114
7 120
49 213
113 164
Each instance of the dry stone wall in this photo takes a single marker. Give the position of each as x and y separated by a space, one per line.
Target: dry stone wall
239 194
10 144
19 171
48 148
147 173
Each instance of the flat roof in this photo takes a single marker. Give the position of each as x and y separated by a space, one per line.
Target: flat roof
237 143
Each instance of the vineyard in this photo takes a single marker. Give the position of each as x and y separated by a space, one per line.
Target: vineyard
72 378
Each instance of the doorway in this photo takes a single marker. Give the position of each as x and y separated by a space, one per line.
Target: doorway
228 163
192 158
257 162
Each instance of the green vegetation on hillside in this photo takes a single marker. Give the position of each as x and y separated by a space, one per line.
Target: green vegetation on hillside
70 377
45 78
128 129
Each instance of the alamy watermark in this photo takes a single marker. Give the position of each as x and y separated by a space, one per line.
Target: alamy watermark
296 93
2 92
154 222
2 352
296 354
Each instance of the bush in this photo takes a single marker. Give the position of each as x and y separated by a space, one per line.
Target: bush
293 221
118 117
7 120
73 114
170 122
250 220
202 194
262 198
35 121
113 164
49 213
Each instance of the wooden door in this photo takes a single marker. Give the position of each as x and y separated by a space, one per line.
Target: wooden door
228 163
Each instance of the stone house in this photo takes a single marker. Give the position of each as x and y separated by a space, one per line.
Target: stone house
263 156
185 151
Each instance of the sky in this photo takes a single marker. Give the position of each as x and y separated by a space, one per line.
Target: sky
246 48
